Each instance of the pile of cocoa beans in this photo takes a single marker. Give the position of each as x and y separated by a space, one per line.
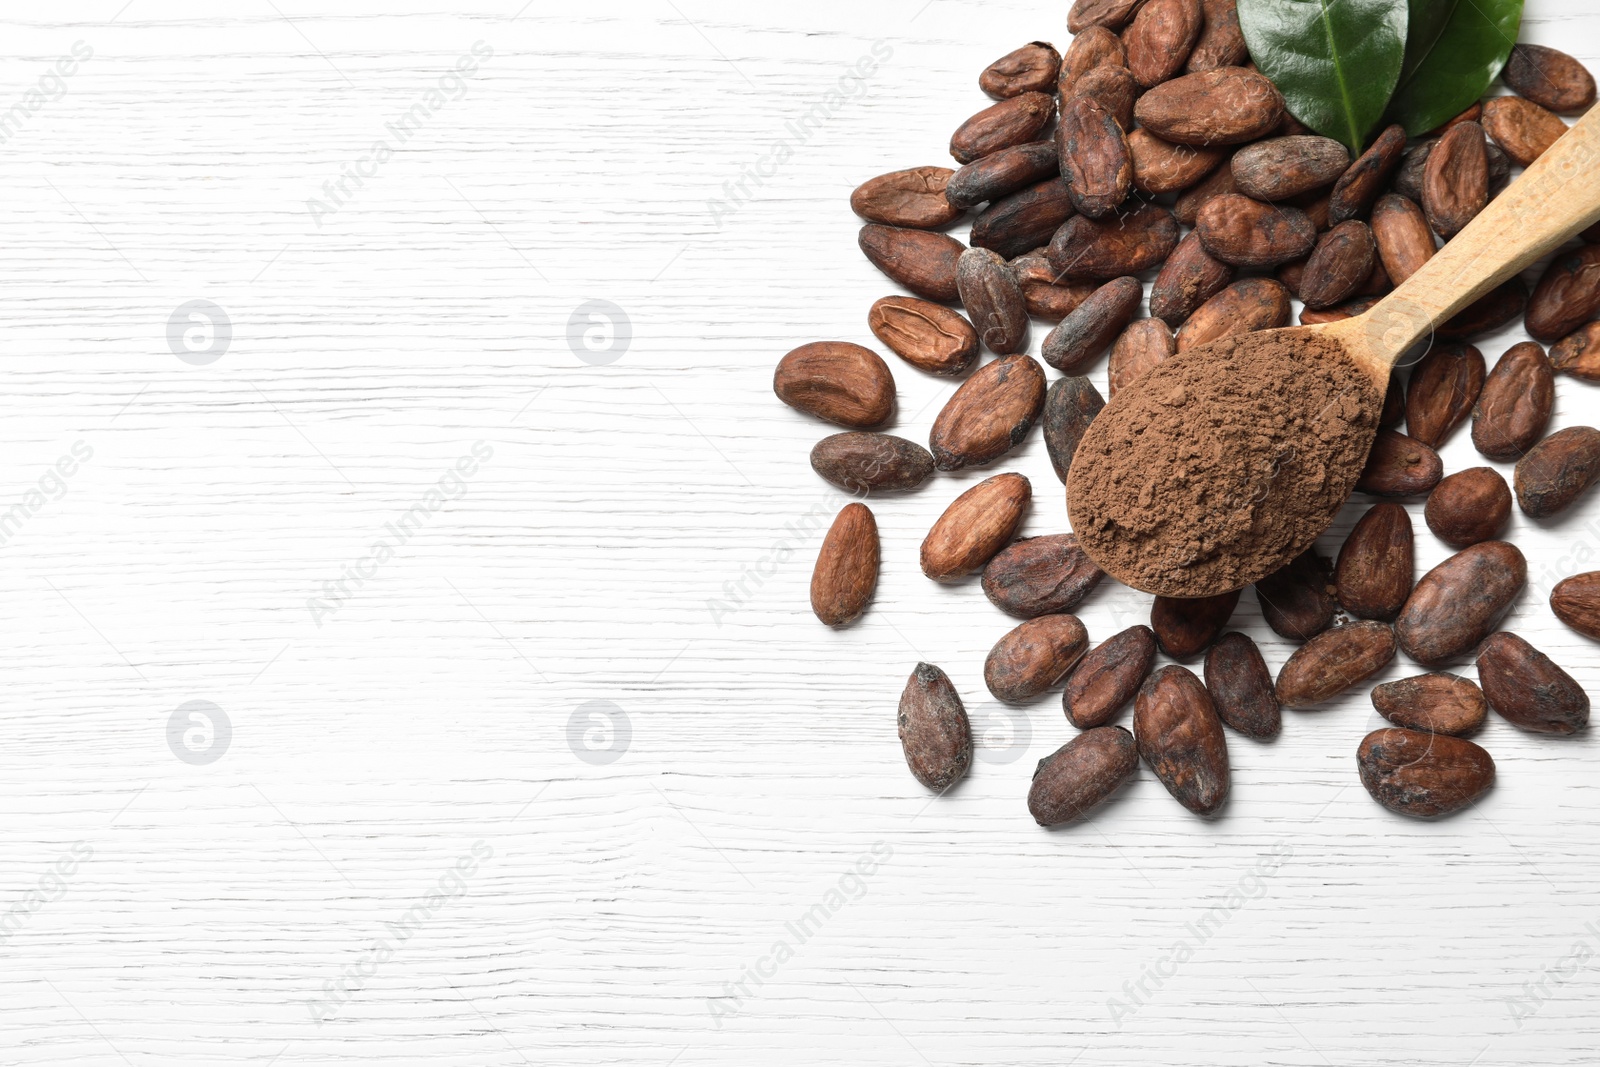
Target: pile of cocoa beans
1152 150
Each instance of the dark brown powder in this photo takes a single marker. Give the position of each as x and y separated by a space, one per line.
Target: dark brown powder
1224 464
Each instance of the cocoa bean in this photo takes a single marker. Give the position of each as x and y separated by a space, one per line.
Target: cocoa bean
863 462
1144 344
1433 703
1281 167
1229 105
1069 407
1189 278
1055 302
1472 113
1297 601
1578 353
1180 737
1315 205
1111 14
1081 775
1010 122
934 731
1163 167
1184 628
1030 69
1528 690
923 262
1220 183
1520 127
1093 325
1557 471
1093 156
1221 42
1248 233
1116 90
1496 308
1108 676
1469 506
1333 661
1399 466
1405 240
1002 173
1408 176
836 381
1347 310
1361 183
1442 391
1161 37
1339 265
1455 180
1245 306
1094 47
1423 775
1024 221
1372 577
989 415
1033 657
1459 602
975 526
1040 576
1550 78
914 198
1241 687
1576 602
1114 246
1567 296
993 300
846 573
1394 404
926 335
1499 169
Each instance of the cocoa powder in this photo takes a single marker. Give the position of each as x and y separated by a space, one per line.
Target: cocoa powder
1234 457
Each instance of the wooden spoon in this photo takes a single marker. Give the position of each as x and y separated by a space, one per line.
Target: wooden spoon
1189 554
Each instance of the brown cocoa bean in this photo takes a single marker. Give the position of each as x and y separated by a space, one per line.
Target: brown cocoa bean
1163 167
1111 14
1472 113
1220 183
1002 173
1081 775
1297 601
1093 325
1144 344
1377 562
1567 296
1405 240
1360 185
1114 246
1161 37
1523 129
1394 404
1455 180
921 261
914 198
1034 656
1108 676
838 382
1499 169
926 335
1408 176
1281 167
1347 310
1578 353
863 462
993 300
1116 90
1040 576
1024 221
1185 628
1423 775
1055 302
1229 105
1550 78
1247 305
1433 703
1093 156
1248 233
1180 737
1442 391
1189 278
1557 471
1069 407
934 731
1459 602
1241 687
1221 42
846 573
1029 69
975 526
1499 306
1339 265
1576 602
1010 122
1094 47
1333 661
1315 205
1469 506
1528 690
1513 409
1399 466
989 415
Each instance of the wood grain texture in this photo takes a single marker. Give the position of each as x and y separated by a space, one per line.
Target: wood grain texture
612 906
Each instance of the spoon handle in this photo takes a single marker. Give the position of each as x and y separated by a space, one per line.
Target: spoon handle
1556 197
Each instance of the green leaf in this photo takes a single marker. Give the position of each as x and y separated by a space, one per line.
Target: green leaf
1467 55
1335 61
1428 20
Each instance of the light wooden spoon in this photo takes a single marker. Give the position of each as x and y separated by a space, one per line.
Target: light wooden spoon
1558 196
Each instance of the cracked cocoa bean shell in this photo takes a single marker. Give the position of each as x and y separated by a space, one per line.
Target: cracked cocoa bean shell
1341 263
1557 471
1184 628
1226 106
921 261
1010 122
1376 564
1034 656
1241 687
1037 576
934 731
1189 278
914 198
1248 233
1108 676
993 301
1298 601
1494 309
1114 246
1399 466
1116 90
1459 603
1218 183
1163 167
1094 47
1567 296
1576 602
1093 325
1221 42
1030 69
1578 353
928 336
1145 343
989 415
836 381
1442 391
1081 775
860 462
1513 409
1161 37
1523 129
1093 156
1404 238
1282 167
1002 173
1549 77
1455 179
1180 737
1023 221
1247 305
1528 690
1333 661
1069 407
1353 194
1469 506
846 572
1423 775
976 525
1110 14
1433 703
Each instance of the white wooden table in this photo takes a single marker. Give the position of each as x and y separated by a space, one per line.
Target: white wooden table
539 758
